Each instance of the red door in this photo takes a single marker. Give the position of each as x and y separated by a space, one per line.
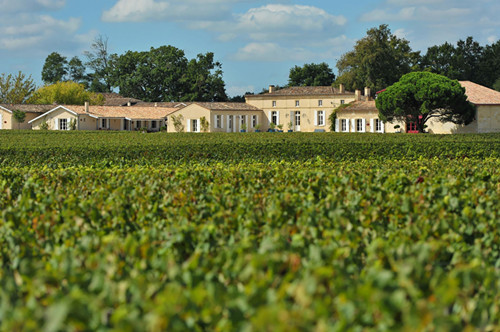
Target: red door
411 126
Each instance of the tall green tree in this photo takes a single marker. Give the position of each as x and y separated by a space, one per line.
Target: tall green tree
311 75
425 95
165 74
16 89
490 65
99 62
441 59
68 93
377 60
54 68
76 70
203 79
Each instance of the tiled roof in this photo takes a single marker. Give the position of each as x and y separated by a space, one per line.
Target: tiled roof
360 106
219 106
115 99
304 91
480 95
28 108
170 104
135 113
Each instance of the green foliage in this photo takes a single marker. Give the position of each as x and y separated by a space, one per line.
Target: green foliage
15 89
177 121
204 124
425 95
496 86
19 116
72 124
44 125
333 115
377 61
99 61
215 232
165 74
68 93
311 75
54 69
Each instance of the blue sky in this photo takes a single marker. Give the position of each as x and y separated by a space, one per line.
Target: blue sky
256 41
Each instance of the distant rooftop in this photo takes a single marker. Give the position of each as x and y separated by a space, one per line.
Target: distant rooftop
480 95
304 91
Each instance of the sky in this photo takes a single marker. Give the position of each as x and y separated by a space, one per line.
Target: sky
257 42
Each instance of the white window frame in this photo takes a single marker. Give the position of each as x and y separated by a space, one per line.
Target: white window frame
63 124
254 121
195 126
218 121
320 103
297 103
344 124
321 118
274 117
274 103
297 118
342 102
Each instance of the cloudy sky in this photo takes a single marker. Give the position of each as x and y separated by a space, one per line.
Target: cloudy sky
256 41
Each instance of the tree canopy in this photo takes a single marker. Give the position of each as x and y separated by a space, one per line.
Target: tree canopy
16 89
377 61
311 75
69 93
425 95
165 74
57 68
99 62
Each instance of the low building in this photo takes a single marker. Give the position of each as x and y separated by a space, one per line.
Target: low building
219 116
7 120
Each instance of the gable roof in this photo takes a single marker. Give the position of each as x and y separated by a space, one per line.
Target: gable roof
304 91
480 95
130 113
222 106
362 105
26 108
53 110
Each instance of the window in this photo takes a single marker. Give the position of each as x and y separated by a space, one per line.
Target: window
274 117
321 118
254 121
63 124
274 103
378 125
138 124
297 103
242 120
194 123
125 124
359 125
320 103
103 123
344 125
230 122
153 124
297 118
342 102
218 121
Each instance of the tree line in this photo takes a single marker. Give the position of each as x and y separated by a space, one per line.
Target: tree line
378 60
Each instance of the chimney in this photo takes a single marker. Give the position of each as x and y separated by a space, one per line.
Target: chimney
128 103
156 104
271 89
341 88
86 107
357 95
367 92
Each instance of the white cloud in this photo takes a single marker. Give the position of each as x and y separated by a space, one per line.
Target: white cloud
271 52
239 90
10 6
171 10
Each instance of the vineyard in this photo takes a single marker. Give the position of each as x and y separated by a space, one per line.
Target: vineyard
122 231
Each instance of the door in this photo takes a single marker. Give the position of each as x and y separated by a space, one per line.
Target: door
297 120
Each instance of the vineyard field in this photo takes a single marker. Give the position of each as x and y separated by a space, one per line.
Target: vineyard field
108 231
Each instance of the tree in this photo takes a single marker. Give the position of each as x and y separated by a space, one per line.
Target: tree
311 75
164 74
204 81
377 61
99 60
15 89
54 68
69 93
76 70
496 85
19 116
441 60
490 65
425 95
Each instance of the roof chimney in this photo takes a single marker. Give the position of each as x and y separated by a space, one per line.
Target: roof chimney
357 95
341 88
156 104
367 92
86 107
272 89
129 103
